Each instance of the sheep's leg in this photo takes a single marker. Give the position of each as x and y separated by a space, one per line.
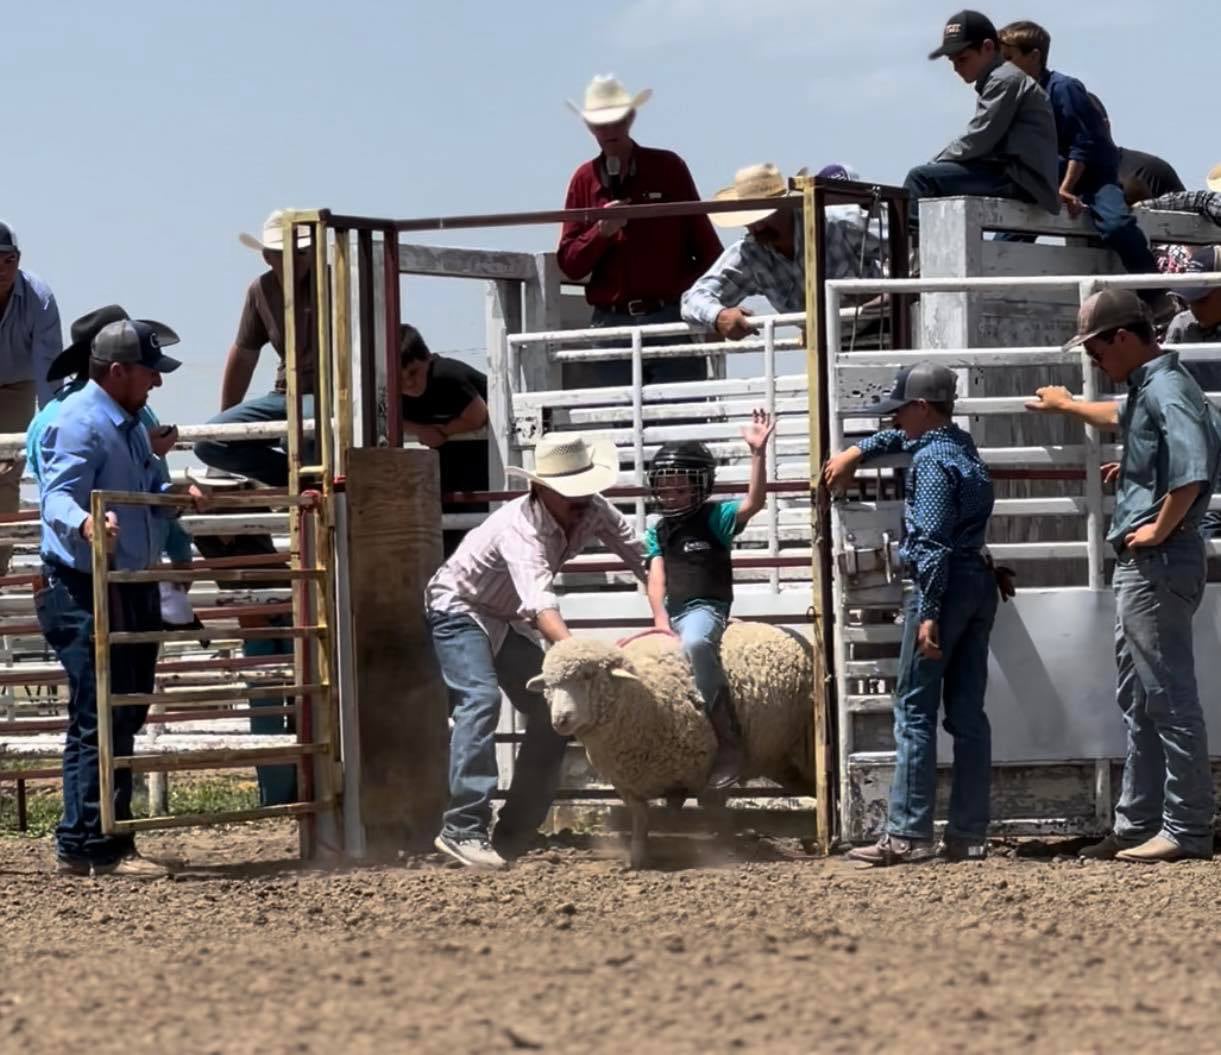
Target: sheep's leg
638 854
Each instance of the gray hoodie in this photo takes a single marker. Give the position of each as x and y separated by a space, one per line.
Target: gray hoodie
1013 125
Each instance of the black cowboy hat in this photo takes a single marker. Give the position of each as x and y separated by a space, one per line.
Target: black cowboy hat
75 358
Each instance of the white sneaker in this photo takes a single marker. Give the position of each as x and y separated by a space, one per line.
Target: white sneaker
475 852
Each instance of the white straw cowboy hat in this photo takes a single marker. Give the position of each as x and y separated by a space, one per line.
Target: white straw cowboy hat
1214 178
273 235
754 181
572 465
607 101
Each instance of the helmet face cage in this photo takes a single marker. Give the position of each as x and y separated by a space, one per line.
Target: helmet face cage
678 489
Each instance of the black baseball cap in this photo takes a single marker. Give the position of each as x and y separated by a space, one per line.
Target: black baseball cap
8 239
1112 309
129 341
75 358
966 29
927 381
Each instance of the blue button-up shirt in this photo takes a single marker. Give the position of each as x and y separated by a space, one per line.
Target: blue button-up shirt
94 444
175 539
30 337
1171 438
1081 130
949 501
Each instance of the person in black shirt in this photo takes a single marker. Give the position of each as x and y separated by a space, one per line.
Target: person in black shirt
443 398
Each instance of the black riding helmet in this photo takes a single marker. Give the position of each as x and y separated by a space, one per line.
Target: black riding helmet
680 477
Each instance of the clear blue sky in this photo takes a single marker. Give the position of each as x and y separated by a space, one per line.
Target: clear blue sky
141 137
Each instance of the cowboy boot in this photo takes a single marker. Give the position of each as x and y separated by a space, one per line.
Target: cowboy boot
727 763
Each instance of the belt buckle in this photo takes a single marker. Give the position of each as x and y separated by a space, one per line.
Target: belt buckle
637 307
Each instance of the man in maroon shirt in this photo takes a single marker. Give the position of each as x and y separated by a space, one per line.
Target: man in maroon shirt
637 270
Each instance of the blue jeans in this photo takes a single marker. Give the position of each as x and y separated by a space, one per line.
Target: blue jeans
1167 780
946 179
960 677
277 784
700 626
474 677
619 371
1118 229
65 613
262 460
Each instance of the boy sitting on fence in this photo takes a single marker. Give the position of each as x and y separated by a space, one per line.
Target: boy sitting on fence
690 584
947 619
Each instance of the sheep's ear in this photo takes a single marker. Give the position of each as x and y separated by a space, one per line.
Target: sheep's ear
536 684
619 672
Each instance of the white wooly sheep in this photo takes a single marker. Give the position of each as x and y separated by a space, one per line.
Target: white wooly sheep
641 720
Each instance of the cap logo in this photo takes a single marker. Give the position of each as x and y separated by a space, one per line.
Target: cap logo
153 340
952 29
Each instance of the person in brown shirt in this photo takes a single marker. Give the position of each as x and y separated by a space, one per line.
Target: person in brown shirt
262 323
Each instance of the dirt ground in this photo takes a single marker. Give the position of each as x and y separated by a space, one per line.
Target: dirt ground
764 950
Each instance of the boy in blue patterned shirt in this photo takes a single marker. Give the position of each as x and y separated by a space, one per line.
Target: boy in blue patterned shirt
690 584
948 618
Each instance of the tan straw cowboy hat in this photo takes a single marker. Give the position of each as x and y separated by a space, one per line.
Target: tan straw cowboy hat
607 101
273 235
572 465
1214 178
754 181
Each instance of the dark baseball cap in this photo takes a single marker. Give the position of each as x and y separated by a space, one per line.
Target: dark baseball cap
1203 258
966 29
927 381
75 358
8 239
129 341
1111 309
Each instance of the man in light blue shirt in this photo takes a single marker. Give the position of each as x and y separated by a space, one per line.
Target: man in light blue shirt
29 340
98 443
73 362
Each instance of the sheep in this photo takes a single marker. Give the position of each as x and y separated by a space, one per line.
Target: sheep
641 720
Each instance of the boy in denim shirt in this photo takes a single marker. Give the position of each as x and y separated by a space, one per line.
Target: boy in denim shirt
690 585
947 619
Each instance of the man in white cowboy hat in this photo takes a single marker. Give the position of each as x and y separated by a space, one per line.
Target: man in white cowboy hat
770 260
262 323
637 270
486 607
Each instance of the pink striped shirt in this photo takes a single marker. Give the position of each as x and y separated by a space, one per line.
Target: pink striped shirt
504 571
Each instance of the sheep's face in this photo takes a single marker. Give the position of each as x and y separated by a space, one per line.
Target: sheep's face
578 704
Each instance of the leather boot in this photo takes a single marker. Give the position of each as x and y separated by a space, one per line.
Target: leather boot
727 764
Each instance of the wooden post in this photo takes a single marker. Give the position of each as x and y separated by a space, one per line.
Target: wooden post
400 716
101 661
816 364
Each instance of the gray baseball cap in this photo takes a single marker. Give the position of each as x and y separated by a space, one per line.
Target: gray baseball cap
1203 258
927 381
130 341
8 239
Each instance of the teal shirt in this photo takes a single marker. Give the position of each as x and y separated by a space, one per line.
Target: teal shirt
1172 438
175 540
722 520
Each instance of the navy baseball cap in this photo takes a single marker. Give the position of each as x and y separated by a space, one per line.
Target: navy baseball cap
1203 258
927 381
130 341
966 29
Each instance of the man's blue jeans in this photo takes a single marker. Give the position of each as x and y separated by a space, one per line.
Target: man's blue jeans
945 179
262 460
474 677
619 371
1167 780
65 613
1118 229
960 677
700 626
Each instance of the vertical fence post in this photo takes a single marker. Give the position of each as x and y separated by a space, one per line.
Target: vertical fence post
1095 522
342 337
773 500
812 226
638 422
101 662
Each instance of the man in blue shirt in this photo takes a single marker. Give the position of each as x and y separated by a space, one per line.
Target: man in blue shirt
1171 451
29 340
947 619
73 362
1089 159
98 443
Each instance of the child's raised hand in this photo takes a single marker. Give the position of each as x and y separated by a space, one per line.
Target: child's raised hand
759 431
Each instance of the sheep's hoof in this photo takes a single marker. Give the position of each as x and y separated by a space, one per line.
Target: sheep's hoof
675 800
638 858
